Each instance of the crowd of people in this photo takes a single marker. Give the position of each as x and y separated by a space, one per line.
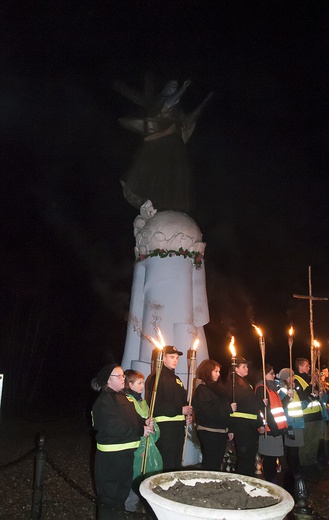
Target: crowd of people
124 431
284 415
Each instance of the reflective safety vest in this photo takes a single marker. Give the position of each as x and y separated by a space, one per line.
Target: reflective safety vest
276 409
313 406
294 408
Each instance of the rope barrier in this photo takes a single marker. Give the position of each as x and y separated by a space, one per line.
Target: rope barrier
56 468
20 459
69 481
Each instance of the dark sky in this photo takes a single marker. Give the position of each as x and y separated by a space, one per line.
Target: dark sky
259 157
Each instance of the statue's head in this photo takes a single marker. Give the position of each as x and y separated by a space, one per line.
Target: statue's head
170 88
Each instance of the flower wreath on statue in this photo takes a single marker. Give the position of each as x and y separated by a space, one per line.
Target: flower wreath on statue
196 256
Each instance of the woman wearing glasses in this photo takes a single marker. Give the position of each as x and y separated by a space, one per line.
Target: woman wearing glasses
118 430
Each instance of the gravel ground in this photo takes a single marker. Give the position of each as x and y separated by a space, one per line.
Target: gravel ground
68 489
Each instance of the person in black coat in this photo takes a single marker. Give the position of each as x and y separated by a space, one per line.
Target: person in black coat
246 421
212 415
171 410
118 430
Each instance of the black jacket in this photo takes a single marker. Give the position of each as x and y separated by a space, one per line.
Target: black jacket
211 405
171 395
115 419
246 399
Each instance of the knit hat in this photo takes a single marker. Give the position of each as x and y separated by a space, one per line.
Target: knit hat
284 374
104 373
169 349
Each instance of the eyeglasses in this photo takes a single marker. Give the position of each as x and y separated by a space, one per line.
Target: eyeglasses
121 376
272 373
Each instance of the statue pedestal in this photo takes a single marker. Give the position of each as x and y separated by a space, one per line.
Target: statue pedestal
169 293
169 288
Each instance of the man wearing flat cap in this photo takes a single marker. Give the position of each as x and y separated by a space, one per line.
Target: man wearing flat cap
171 410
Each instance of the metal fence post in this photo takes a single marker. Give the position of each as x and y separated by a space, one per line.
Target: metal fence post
40 459
1 387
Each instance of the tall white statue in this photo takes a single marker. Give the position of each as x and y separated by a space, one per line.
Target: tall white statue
169 289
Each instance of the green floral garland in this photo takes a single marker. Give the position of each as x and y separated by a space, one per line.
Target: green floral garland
196 256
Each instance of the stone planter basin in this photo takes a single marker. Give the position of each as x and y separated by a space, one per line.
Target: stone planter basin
166 509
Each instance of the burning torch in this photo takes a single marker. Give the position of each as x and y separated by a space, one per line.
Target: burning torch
191 357
290 343
262 350
158 369
233 365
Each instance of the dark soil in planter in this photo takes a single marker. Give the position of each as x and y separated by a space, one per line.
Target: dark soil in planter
215 495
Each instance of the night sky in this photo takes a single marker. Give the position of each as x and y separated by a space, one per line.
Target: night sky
260 166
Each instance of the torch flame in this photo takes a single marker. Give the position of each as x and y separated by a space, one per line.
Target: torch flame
317 344
162 341
155 342
258 330
232 348
158 344
291 331
195 344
